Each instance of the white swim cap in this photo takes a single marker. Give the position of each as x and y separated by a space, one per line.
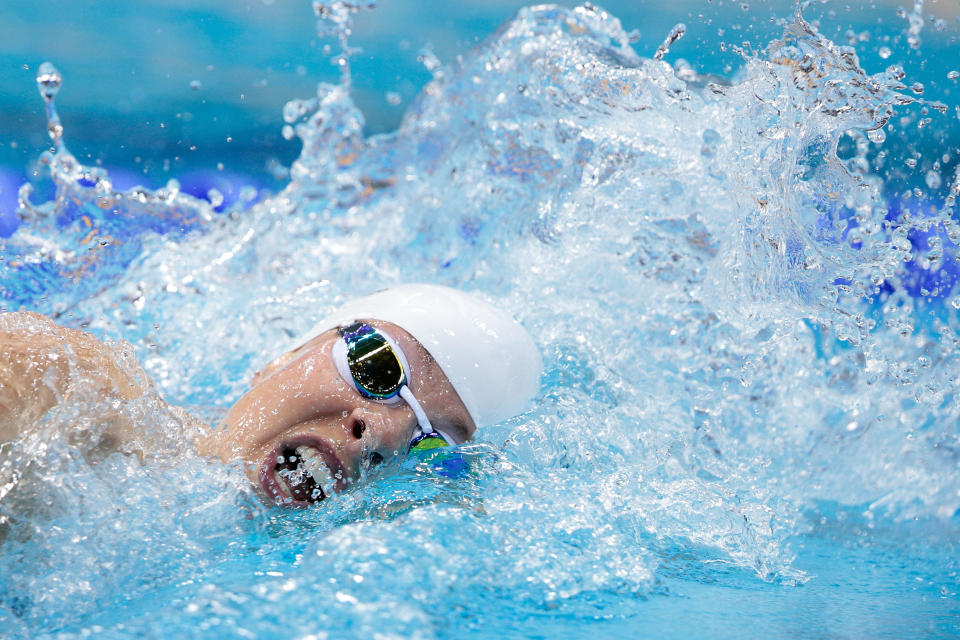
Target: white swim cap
488 356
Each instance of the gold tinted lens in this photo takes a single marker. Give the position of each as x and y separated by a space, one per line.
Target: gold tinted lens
374 365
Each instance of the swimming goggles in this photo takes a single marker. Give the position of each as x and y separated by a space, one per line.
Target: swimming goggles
376 365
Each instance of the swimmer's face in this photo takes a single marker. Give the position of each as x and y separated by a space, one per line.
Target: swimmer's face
303 432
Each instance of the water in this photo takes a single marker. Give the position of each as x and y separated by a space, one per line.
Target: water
743 286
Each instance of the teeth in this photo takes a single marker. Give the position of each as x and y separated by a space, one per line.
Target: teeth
312 462
284 488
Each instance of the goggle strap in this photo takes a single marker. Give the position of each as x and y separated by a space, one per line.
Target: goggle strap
422 420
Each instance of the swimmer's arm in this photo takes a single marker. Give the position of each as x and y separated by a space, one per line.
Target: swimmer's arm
43 364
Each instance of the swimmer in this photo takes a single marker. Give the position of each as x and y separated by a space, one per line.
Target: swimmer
410 368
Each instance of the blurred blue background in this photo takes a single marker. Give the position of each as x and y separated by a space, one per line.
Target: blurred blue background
155 89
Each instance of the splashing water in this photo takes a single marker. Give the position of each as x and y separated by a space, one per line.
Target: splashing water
751 348
675 34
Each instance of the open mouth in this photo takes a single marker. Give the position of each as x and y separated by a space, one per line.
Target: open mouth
302 473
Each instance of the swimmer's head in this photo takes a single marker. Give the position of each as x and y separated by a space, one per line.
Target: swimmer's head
486 355
411 366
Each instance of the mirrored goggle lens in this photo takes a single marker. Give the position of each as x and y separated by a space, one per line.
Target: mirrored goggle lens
374 365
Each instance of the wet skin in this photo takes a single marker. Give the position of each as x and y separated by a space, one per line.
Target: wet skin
300 400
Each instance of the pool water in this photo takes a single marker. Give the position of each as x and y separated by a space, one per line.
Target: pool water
742 281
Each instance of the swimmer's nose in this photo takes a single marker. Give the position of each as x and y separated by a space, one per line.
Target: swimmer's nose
377 435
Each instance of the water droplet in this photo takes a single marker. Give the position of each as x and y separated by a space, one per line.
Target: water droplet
953 75
394 98
911 162
48 81
915 21
877 135
429 59
933 179
215 197
711 140
287 132
917 88
675 34
196 85
896 72
293 110
884 52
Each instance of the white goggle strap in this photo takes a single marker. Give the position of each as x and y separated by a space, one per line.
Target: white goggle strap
422 420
